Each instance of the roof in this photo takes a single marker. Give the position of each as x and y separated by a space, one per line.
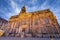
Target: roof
40 11
35 12
16 16
2 19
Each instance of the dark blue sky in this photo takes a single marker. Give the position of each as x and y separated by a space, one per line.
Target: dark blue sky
12 7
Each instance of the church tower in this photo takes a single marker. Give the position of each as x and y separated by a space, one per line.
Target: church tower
23 10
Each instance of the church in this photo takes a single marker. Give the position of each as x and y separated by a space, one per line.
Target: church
41 23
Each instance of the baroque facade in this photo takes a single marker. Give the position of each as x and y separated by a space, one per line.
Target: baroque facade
40 23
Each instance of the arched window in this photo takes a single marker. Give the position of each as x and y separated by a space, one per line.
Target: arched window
46 21
36 21
23 22
54 29
18 24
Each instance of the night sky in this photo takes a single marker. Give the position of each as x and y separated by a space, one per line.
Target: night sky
9 8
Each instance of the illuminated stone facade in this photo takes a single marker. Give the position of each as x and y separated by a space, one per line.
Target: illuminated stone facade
40 23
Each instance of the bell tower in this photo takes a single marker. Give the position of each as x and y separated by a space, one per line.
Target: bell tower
23 10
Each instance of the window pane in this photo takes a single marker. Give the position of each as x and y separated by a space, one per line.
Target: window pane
18 24
36 22
46 21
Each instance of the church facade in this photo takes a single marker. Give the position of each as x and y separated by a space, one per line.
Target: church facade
40 23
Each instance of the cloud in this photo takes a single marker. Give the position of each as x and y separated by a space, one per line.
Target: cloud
14 6
33 1
31 9
44 5
15 9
